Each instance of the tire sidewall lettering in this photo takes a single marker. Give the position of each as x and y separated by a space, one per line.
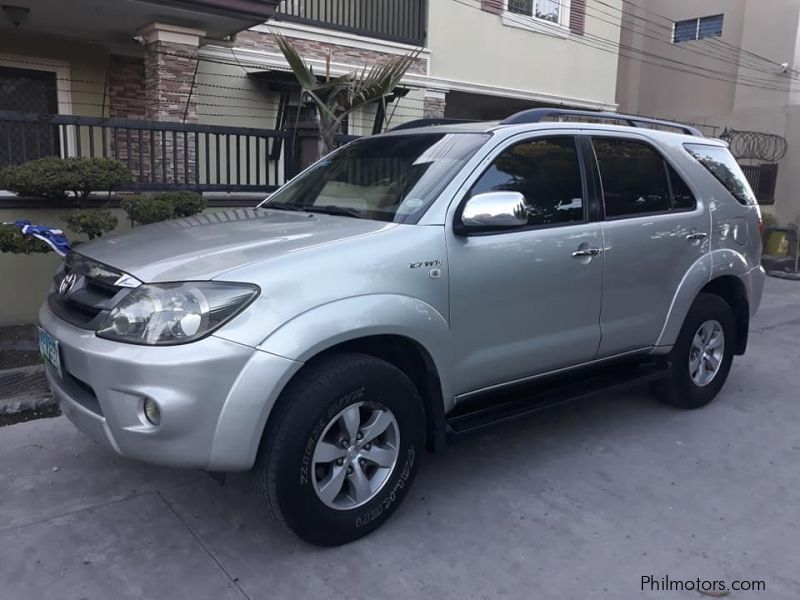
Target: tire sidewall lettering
308 452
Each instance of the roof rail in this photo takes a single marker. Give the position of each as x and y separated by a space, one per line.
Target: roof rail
535 115
429 122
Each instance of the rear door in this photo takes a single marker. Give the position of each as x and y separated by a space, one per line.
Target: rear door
654 230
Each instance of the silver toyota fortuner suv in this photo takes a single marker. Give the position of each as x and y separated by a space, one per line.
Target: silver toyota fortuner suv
409 286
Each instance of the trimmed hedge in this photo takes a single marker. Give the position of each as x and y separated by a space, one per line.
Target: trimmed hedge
93 222
163 206
186 204
12 240
52 177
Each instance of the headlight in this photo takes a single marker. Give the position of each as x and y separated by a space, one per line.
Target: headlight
175 313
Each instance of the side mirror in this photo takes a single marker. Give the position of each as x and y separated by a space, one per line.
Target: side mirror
501 210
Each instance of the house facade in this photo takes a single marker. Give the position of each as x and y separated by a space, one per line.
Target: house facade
731 65
215 63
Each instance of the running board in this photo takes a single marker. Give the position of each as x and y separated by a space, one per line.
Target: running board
509 404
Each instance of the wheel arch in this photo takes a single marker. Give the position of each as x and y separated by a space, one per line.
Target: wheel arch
720 273
413 359
732 289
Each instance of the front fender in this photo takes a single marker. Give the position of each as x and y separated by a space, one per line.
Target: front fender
717 263
325 326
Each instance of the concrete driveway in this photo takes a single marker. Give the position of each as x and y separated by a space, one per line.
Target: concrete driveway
578 502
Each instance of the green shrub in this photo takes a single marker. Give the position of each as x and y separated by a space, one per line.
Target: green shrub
52 177
186 204
12 240
148 209
770 220
94 223
163 206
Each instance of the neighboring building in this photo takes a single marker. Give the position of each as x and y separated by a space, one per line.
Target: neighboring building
727 64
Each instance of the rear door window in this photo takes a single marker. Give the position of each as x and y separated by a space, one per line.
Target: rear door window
721 164
637 180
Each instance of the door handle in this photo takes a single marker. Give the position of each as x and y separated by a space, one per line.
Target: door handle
586 252
693 237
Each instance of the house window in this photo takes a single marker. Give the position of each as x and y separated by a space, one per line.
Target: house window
546 10
24 90
697 29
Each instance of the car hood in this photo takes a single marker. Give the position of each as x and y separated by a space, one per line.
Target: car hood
206 246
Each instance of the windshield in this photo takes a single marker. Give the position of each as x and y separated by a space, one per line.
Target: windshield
387 178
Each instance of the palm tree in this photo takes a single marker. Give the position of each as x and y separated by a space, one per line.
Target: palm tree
337 97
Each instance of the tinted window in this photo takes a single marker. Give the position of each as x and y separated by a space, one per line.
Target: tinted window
386 178
682 196
546 172
721 164
633 176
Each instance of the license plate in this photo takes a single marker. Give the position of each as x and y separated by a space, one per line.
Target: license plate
48 348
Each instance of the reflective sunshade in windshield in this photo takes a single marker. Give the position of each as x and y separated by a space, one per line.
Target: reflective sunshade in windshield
388 178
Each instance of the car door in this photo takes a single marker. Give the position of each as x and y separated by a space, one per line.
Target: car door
526 300
654 231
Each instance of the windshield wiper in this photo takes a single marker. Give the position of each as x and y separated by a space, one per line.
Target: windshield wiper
340 211
283 206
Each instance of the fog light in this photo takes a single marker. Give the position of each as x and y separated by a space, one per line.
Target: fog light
151 412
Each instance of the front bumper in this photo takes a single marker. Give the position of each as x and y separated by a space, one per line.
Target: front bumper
214 396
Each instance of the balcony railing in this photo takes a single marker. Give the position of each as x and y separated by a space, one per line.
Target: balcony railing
161 156
394 20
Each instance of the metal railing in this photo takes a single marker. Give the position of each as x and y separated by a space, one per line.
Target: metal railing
395 20
161 155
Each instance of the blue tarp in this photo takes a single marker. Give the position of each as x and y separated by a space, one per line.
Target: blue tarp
54 238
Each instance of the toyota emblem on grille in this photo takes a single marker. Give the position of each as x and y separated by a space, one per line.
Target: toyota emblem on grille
66 284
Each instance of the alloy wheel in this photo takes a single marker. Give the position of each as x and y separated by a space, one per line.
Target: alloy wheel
706 353
355 456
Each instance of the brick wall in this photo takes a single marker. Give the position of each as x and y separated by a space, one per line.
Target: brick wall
319 50
126 96
168 73
434 108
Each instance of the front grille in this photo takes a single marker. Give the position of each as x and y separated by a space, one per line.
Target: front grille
84 291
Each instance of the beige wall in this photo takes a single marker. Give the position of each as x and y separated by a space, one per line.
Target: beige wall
470 45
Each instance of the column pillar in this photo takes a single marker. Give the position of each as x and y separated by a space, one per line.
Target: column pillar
169 68
434 104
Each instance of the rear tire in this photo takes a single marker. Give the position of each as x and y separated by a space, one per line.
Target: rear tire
702 356
342 448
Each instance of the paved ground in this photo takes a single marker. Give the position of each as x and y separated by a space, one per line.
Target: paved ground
579 502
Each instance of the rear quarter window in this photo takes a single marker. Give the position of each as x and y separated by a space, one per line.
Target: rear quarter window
720 163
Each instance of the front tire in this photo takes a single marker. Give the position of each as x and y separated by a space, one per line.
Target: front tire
342 448
702 356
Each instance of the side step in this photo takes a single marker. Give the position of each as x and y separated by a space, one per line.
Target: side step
488 410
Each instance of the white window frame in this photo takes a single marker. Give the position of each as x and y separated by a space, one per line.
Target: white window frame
534 23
